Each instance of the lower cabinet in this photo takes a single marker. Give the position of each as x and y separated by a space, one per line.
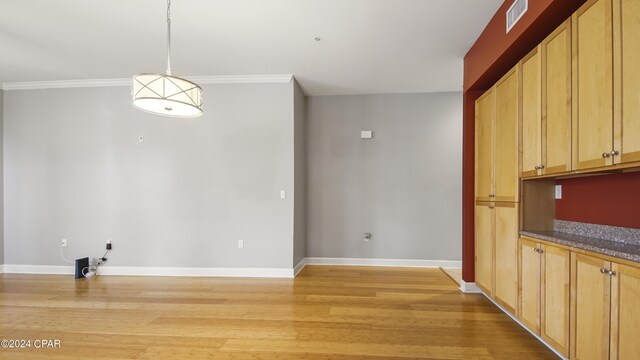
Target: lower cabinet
590 309
625 312
585 305
496 251
544 292
605 304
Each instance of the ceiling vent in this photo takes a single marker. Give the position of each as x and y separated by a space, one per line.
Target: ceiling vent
515 12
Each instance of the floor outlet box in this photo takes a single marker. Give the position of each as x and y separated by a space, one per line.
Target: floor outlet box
80 265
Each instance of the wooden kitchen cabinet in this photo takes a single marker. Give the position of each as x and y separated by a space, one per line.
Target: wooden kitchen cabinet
546 105
484 246
529 285
531 120
625 312
545 292
485 122
556 101
496 251
555 297
590 307
506 169
506 255
627 81
592 88
496 152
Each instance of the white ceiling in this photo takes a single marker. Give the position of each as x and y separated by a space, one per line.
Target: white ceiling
367 46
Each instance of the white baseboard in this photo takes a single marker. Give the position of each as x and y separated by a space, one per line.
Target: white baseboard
525 327
383 262
38 269
1 269
469 287
155 271
299 267
230 272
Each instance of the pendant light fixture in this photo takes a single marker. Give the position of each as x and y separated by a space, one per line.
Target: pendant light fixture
167 95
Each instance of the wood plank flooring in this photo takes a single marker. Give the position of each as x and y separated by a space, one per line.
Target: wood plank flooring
327 312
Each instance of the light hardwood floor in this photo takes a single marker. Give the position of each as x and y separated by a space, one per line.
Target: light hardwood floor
325 313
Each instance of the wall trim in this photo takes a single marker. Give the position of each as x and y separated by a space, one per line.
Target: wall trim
469 287
299 267
201 80
523 326
232 272
383 262
155 271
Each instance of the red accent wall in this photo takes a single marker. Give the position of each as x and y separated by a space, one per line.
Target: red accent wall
492 55
606 200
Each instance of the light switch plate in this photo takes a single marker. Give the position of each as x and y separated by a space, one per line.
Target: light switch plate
366 134
558 192
283 194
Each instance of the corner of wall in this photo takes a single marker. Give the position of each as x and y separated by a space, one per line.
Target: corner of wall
1 179
299 170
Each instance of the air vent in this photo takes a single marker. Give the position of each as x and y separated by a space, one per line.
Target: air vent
515 12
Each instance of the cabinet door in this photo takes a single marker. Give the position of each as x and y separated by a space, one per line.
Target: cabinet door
556 270
627 80
625 312
590 305
556 100
529 285
484 223
485 121
506 170
593 85
506 255
531 114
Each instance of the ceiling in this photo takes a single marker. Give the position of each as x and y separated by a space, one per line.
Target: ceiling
366 46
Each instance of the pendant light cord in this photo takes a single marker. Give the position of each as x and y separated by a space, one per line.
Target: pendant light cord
168 37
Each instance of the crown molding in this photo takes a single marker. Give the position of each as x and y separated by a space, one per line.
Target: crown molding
200 80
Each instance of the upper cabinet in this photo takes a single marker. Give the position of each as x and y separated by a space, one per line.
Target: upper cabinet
506 138
626 35
531 72
546 105
485 122
556 101
496 171
592 95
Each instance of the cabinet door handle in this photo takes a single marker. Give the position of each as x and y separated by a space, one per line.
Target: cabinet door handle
604 271
535 249
612 273
615 153
606 155
492 195
491 207
540 251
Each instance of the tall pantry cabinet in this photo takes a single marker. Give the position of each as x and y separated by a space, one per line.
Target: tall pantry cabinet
497 190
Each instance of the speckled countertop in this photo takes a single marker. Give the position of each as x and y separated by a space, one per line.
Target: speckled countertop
606 247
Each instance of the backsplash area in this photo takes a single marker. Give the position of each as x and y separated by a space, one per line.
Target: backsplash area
606 200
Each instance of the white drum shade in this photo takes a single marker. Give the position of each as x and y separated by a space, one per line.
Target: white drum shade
166 95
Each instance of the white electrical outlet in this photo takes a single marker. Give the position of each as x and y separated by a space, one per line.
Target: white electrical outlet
240 244
283 194
64 242
558 192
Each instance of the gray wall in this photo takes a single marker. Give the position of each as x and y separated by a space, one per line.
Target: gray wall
403 186
1 180
299 226
74 169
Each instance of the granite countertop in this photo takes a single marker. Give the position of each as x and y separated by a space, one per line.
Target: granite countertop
622 250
